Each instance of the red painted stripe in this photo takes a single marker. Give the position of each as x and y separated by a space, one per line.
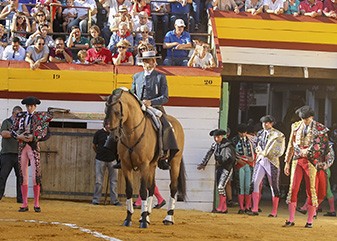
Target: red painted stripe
216 39
277 45
174 101
266 16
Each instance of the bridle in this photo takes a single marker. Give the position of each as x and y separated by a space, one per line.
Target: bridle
120 132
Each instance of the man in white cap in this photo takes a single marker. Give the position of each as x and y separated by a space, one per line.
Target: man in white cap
177 42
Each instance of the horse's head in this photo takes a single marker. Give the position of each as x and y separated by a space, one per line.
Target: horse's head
114 113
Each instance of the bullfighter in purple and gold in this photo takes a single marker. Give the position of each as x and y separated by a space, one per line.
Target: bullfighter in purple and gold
307 149
270 146
29 128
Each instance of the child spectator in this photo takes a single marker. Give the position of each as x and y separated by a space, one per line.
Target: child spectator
81 56
68 14
292 7
94 32
201 57
123 57
20 24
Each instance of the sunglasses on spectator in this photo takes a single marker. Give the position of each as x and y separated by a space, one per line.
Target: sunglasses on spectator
19 17
40 44
145 32
142 49
122 47
40 15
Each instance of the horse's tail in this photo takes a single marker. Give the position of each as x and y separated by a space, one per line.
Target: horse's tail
182 182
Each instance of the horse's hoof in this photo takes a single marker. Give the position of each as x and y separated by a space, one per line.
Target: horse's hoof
143 225
166 222
127 223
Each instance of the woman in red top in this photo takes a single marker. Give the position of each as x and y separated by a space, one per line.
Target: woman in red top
139 6
123 57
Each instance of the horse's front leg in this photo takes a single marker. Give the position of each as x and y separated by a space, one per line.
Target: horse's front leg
144 221
129 204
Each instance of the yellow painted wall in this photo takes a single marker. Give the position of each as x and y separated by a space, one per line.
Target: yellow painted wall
100 82
279 31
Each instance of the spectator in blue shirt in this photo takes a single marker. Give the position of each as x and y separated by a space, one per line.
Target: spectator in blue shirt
177 42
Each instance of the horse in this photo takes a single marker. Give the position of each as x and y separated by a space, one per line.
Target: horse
138 151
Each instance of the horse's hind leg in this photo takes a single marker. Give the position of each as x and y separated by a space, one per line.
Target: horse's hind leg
128 191
174 172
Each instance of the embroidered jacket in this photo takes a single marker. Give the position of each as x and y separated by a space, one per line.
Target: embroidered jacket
313 145
272 146
224 154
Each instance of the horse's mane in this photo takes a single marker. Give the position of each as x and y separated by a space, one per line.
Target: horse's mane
117 93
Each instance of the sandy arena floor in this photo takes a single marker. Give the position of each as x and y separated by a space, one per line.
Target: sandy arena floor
73 221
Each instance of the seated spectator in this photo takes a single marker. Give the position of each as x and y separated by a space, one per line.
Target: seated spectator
14 51
98 54
10 9
59 53
81 56
181 10
123 33
82 14
145 36
94 32
40 18
241 5
254 7
122 16
292 7
37 53
42 31
20 24
39 7
142 19
177 42
273 6
330 8
141 47
160 11
76 40
140 6
312 8
3 36
201 57
226 5
55 9
68 14
123 57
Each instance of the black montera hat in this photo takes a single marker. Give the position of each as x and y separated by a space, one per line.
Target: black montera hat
267 118
305 112
217 132
30 100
